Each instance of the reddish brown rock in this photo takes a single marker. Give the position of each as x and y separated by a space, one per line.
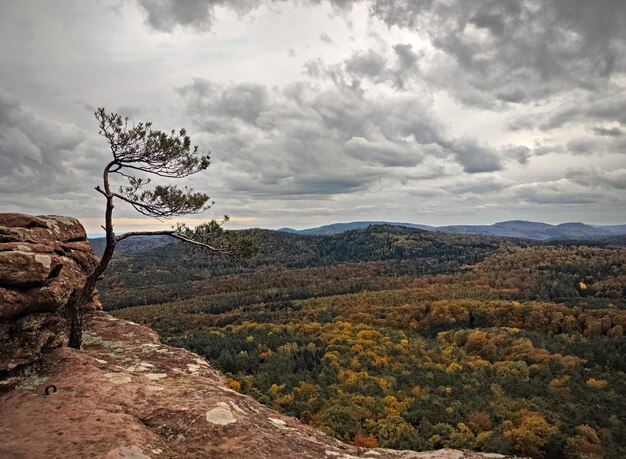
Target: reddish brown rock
43 259
125 395
15 220
26 269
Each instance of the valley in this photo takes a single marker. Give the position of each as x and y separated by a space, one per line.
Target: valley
403 338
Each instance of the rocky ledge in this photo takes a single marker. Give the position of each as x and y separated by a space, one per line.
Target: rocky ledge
125 395
42 260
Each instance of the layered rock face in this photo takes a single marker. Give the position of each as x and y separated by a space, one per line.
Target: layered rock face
42 260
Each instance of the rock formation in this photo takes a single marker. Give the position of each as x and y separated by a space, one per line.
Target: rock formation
42 260
125 395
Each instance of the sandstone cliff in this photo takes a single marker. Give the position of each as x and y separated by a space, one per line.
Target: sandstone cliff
42 260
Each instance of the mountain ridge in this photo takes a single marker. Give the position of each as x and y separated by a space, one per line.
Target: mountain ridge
510 228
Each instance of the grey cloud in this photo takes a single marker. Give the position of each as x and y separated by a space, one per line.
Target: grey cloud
35 153
9 110
475 157
480 186
407 57
404 14
585 146
541 150
377 67
402 117
384 152
501 46
46 166
609 106
611 132
287 146
406 65
368 63
166 15
596 145
245 101
506 51
333 137
593 178
320 186
519 153
326 38
558 192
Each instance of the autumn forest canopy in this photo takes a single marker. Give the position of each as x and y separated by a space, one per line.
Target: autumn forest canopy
402 338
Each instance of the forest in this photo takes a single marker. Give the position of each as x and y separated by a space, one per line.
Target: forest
400 338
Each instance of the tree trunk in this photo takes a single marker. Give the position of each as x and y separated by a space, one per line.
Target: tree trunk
79 298
76 327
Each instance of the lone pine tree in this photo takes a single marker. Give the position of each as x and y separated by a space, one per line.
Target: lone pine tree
139 151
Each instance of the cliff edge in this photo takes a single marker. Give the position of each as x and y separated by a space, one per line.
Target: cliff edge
125 395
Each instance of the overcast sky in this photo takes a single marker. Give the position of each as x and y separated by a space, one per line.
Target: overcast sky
425 111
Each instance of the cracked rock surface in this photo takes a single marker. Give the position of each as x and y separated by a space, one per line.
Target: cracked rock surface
42 260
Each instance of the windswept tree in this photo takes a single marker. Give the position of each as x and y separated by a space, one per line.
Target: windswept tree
139 151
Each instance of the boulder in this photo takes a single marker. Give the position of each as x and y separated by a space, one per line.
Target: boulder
43 259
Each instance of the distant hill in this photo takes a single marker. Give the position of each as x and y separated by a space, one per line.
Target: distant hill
131 245
337 228
614 229
171 271
514 228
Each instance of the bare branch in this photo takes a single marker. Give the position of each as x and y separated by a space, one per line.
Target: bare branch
175 235
100 190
